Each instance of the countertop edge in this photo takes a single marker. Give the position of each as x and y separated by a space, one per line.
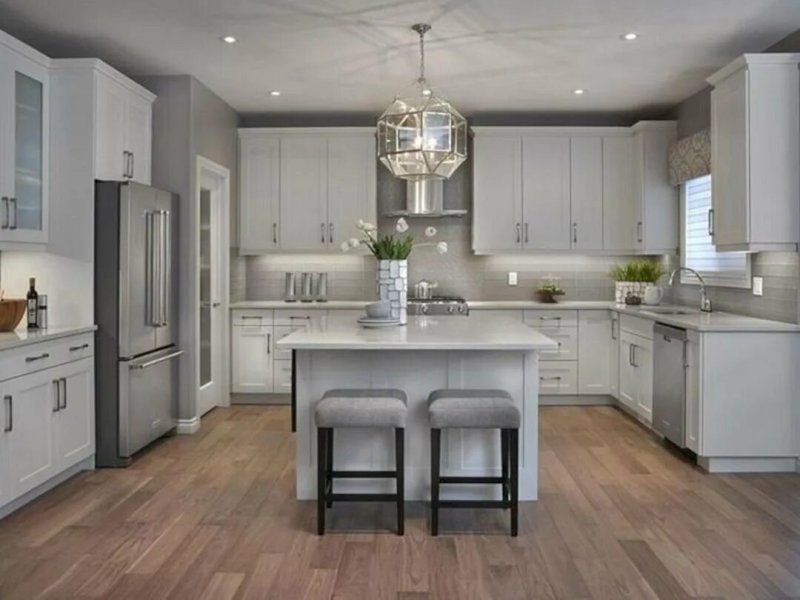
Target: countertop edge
44 337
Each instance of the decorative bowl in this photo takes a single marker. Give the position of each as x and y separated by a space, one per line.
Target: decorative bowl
11 313
379 310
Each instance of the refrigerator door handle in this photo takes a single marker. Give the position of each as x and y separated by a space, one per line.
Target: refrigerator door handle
150 363
166 267
152 268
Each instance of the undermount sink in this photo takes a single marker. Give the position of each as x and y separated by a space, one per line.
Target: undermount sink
656 310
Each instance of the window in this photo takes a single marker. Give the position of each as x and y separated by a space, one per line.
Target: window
726 269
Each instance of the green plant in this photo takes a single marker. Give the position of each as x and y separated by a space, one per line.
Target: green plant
386 246
645 271
551 289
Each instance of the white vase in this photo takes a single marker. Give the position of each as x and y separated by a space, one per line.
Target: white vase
623 288
393 286
653 294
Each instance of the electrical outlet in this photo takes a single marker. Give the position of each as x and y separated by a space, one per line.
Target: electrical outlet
758 286
512 278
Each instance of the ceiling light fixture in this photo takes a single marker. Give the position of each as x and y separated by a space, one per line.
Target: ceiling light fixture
275 93
422 136
629 37
579 92
228 39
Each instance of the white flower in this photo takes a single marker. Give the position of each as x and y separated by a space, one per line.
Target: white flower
430 231
368 227
441 247
360 225
402 225
345 245
353 243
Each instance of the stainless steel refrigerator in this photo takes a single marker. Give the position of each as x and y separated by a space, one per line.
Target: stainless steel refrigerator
136 313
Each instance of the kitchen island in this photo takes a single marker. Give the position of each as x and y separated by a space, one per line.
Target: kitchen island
427 354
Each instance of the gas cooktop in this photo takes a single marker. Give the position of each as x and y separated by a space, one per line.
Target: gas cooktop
438 305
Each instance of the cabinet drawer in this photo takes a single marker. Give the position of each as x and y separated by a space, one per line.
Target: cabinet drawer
251 316
637 325
280 332
567 340
35 357
283 377
558 378
551 318
298 317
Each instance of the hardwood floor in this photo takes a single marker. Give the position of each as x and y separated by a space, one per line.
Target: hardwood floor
213 516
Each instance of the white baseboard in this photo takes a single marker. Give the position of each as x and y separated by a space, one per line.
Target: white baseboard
748 465
187 426
575 400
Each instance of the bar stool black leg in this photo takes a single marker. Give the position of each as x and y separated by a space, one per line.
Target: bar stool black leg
514 451
329 466
504 460
321 479
399 465
436 438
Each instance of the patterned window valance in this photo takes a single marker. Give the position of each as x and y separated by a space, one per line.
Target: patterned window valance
690 157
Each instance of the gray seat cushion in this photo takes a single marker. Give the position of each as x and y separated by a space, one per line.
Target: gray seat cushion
472 409
362 408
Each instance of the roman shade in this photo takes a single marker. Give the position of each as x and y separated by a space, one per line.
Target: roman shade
690 157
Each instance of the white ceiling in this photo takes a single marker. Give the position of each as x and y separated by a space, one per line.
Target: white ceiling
354 55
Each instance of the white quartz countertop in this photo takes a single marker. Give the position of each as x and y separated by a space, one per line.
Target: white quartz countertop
421 333
25 337
278 304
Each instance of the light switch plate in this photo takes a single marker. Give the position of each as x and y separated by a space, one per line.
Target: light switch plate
512 278
758 286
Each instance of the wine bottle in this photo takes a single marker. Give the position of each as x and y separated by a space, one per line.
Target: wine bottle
33 305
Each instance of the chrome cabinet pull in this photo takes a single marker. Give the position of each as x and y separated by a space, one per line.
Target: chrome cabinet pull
614 324
5 213
526 233
12 203
64 393
269 343
574 233
549 318
9 400
639 231
126 163
249 318
305 317
519 232
42 356
57 389
133 163
711 222
556 378
76 348
633 355
322 232
274 233
330 233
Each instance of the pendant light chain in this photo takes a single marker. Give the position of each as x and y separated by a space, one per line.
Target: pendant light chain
421 29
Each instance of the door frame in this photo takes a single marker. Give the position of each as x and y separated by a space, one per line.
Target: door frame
205 167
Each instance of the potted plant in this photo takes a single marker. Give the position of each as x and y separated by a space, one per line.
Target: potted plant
548 291
634 278
392 251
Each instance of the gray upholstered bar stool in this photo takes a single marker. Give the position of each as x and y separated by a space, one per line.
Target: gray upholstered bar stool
476 409
343 408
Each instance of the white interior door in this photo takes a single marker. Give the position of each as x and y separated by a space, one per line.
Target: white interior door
212 199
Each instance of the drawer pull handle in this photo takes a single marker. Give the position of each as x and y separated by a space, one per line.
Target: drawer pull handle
306 318
249 317
76 348
556 378
57 390
549 318
42 356
9 427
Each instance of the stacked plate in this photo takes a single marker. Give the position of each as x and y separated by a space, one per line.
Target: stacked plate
379 314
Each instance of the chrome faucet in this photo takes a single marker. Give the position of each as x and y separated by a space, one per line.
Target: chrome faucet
705 302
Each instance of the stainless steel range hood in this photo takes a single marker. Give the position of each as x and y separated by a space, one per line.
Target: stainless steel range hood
426 199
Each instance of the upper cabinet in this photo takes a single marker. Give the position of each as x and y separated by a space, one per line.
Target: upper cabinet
591 190
304 189
101 129
755 150
24 144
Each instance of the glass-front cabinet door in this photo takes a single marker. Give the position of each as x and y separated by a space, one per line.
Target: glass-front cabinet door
24 179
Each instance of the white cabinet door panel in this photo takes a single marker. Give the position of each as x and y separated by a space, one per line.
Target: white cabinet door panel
138 137
110 157
594 355
303 185
546 194
283 377
693 391
628 388
74 421
252 360
259 194
558 378
497 193
619 205
352 185
614 356
586 176
643 361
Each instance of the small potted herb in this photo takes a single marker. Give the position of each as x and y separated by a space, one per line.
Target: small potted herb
548 291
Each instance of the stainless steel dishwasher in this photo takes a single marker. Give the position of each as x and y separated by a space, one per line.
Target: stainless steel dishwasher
669 383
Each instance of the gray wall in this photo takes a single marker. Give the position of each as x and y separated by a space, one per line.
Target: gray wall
189 121
780 270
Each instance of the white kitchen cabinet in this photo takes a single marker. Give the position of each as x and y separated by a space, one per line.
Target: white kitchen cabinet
595 365
619 204
613 356
558 378
259 208
694 369
6 494
497 193
283 377
755 150
251 359
636 375
123 135
24 145
546 223
74 418
586 184
656 207
304 189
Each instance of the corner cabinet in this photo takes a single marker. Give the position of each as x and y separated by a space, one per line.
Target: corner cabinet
24 145
589 190
304 189
755 150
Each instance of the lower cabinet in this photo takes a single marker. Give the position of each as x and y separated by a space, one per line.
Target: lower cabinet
595 365
251 352
636 374
558 378
48 425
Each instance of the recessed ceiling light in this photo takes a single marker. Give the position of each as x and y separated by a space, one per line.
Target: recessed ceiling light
629 37
275 93
228 39
579 91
